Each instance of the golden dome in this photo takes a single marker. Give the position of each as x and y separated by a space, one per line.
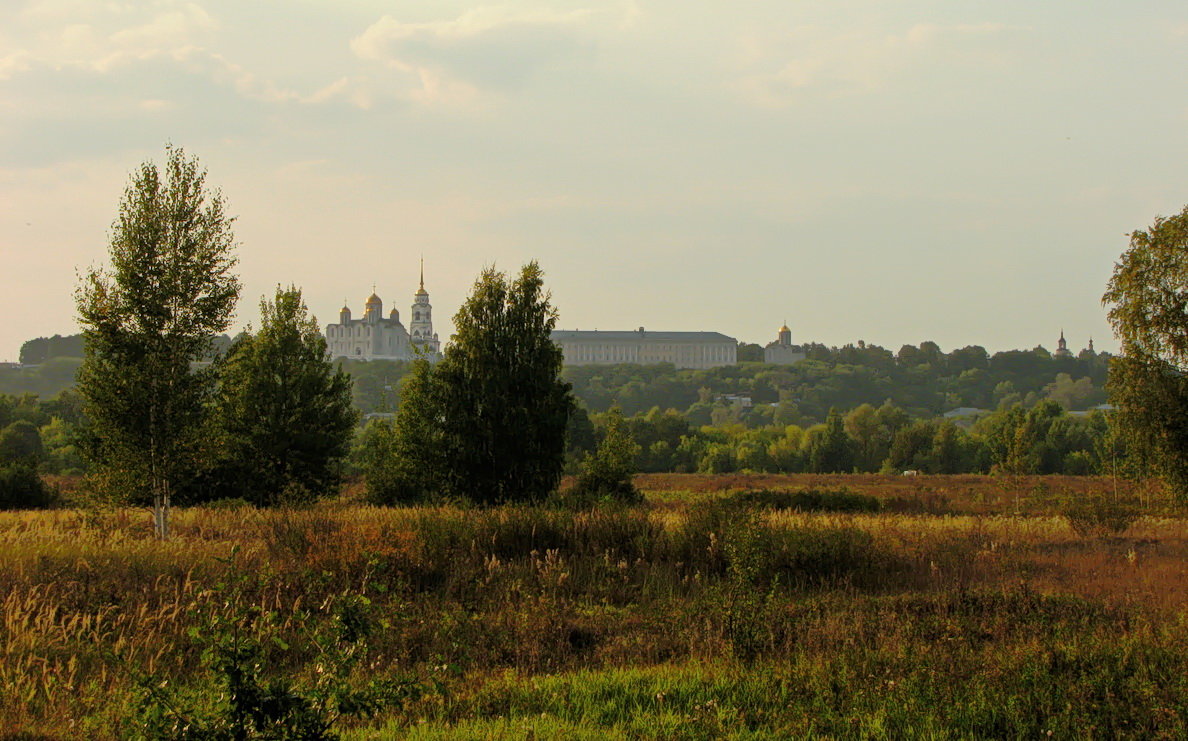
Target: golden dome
422 292
374 300
784 329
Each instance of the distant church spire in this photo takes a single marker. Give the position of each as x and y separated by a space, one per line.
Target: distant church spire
421 325
1062 350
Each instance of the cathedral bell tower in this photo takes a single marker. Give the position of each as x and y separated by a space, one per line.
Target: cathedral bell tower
420 327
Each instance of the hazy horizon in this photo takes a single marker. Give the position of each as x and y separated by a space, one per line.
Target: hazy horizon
954 172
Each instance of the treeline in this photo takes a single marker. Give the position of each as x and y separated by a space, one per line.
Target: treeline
42 433
1044 439
50 364
37 437
45 379
44 349
783 427
923 381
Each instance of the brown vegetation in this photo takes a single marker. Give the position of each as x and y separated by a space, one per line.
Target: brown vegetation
504 614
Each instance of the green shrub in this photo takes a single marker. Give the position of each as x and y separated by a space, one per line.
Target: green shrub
819 554
606 473
808 500
20 442
231 503
700 541
241 694
22 488
717 536
1101 515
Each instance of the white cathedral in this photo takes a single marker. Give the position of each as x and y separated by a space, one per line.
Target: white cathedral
375 337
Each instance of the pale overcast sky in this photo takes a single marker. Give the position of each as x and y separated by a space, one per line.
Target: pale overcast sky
963 172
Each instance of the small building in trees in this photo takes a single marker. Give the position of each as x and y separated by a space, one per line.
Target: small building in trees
1062 350
683 349
782 351
965 417
376 337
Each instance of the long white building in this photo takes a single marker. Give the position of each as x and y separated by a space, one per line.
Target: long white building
682 349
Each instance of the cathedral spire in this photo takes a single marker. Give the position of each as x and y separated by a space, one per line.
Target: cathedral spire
421 291
1062 350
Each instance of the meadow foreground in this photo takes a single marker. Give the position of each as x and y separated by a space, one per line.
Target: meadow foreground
937 606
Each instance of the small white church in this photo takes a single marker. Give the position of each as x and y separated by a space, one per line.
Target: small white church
782 351
376 337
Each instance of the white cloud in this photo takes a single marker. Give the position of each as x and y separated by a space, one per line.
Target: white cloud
155 104
104 36
78 40
778 71
483 50
455 63
374 43
171 29
14 63
63 10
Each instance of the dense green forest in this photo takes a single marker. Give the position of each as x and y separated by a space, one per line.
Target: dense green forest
751 416
924 381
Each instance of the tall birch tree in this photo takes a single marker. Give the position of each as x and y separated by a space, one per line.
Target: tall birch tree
149 319
1147 299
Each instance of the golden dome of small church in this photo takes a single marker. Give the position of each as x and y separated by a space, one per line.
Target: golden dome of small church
782 351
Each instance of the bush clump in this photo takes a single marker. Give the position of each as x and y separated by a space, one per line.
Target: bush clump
22 488
808 500
1101 515
606 473
718 537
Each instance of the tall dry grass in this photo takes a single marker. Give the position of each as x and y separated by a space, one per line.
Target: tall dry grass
483 604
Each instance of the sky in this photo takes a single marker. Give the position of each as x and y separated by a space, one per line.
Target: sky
893 172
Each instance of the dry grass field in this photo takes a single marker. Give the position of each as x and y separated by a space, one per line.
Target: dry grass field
951 607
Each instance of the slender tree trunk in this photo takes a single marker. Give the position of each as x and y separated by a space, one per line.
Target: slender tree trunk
157 515
165 505
161 511
160 498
